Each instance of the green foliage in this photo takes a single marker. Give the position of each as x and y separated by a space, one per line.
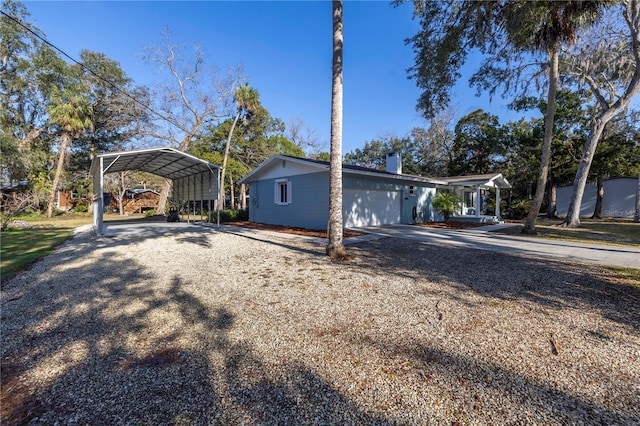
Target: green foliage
148 213
229 215
446 203
21 248
323 156
479 146
519 209
374 154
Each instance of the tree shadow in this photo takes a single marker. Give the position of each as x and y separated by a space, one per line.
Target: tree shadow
510 277
109 341
463 379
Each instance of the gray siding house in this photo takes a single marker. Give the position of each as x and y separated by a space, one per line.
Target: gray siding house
293 191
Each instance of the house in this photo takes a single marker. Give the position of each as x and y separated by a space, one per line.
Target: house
294 191
135 201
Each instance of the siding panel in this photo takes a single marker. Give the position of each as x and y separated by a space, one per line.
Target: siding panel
309 207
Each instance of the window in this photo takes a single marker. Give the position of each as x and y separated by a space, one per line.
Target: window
412 190
282 192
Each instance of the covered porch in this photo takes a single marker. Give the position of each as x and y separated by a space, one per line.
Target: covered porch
477 204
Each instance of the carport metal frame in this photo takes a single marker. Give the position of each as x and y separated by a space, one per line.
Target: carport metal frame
168 163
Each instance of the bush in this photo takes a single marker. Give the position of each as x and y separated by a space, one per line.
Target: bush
519 209
229 215
446 204
81 208
150 212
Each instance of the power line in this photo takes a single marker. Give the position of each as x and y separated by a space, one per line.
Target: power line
47 42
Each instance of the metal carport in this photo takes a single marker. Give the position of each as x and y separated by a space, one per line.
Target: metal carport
193 179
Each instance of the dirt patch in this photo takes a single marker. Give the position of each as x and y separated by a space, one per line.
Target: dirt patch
291 230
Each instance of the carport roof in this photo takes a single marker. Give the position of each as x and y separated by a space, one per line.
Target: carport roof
169 163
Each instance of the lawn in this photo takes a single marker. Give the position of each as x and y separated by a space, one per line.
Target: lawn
602 231
19 248
22 247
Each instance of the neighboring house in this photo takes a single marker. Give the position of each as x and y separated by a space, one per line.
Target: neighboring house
619 198
136 201
294 191
64 200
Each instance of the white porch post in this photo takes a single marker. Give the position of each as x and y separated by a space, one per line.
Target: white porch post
497 203
478 201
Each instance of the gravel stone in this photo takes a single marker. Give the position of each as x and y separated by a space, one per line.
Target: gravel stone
208 327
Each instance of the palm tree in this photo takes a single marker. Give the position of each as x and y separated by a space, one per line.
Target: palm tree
546 26
71 111
335 248
446 203
247 101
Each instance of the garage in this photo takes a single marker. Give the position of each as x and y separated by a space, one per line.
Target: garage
370 207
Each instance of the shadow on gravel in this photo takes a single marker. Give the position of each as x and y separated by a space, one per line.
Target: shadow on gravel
104 351
510 277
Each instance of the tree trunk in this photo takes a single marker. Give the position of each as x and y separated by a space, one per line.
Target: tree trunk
164 196
65 140
534 210
232 192
243 196
227 148
121 195
597 211
573 214
552 212
335 248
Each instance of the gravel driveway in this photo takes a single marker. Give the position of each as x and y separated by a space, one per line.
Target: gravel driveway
206 327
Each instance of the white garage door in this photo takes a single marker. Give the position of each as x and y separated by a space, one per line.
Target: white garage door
362 207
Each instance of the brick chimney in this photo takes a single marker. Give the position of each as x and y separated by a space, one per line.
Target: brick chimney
394 163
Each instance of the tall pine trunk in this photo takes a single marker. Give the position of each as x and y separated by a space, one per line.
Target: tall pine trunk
335 248
65 140
534 210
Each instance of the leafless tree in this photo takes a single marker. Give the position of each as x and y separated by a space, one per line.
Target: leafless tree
191 98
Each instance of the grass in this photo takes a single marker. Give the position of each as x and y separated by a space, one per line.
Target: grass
601 231
20 248
629 276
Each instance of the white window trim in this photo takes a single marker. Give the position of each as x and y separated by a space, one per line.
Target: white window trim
276 192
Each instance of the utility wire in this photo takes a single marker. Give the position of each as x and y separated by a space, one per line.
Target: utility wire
44 40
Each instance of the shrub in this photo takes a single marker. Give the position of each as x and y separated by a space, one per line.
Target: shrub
519 209
150 212
229 215
446 203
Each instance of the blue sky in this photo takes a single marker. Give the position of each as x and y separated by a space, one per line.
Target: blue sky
285 49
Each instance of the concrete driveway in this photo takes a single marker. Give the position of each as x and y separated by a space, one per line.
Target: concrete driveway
481 238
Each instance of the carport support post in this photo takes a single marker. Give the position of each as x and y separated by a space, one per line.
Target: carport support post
98 201
497 212
218 203
478 204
